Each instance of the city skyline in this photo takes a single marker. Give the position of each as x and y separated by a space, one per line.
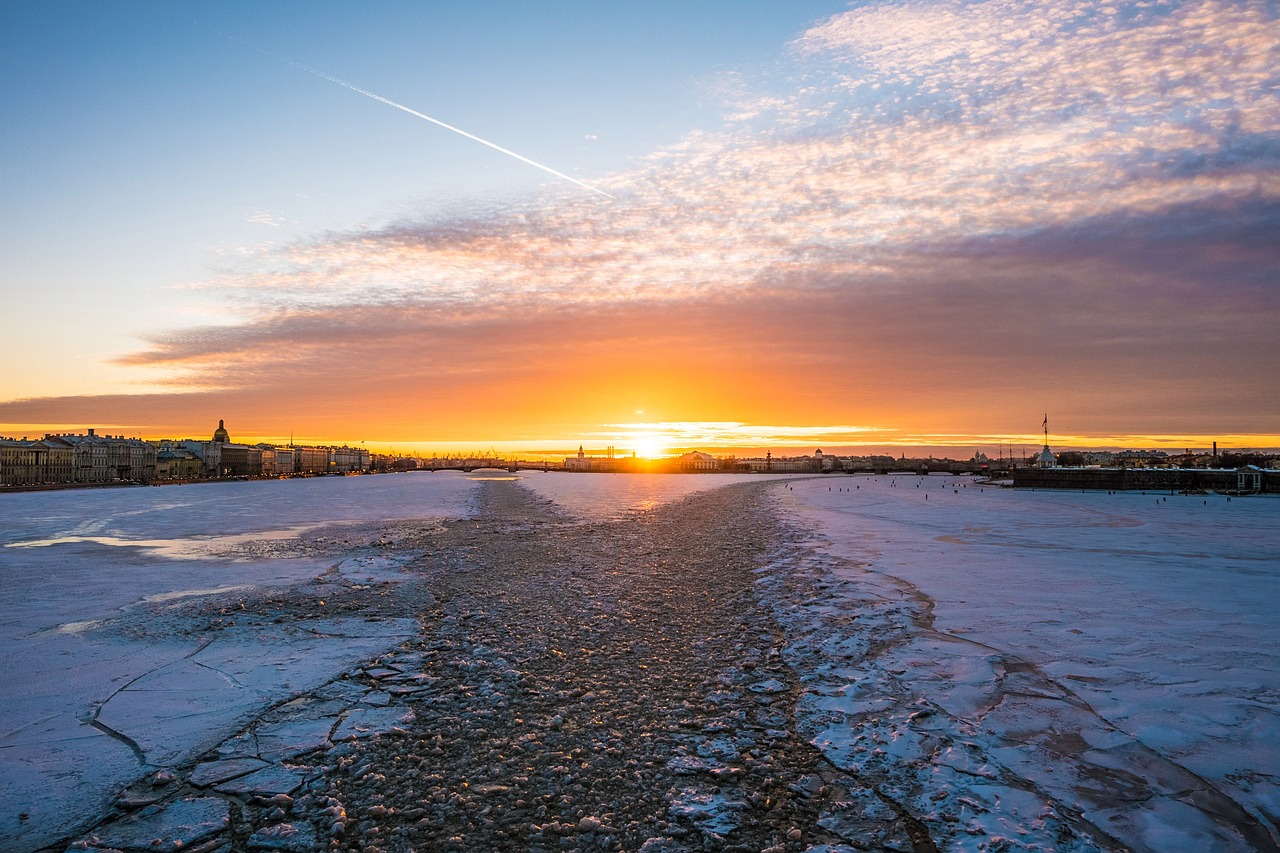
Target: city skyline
878 225
658 441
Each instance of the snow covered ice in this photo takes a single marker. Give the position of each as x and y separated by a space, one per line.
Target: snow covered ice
999 657
98 687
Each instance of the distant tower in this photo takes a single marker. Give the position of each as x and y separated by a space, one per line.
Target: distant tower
220 434
1046 458
580 453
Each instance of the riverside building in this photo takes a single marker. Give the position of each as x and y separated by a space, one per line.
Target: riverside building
88 458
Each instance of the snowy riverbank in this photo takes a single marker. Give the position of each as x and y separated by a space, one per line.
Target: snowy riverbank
1117 655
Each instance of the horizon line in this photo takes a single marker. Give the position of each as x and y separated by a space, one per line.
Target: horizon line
673 445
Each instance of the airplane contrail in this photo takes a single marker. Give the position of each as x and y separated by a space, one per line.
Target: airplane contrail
496 147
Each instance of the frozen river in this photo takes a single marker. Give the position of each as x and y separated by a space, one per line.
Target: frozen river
1055 637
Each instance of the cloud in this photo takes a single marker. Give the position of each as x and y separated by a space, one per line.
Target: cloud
1073 201
265 217
1108 314
917 123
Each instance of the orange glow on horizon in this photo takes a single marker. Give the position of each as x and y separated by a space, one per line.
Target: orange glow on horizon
658 440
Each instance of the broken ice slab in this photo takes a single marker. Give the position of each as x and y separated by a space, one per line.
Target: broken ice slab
215 772
769 686
177 826
291 738
287 837
689 765
366 722
714 814
267 782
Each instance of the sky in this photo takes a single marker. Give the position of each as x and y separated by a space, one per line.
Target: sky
714 224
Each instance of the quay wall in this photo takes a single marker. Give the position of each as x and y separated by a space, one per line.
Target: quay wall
1146 479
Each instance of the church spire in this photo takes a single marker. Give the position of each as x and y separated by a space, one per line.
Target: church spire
1046 459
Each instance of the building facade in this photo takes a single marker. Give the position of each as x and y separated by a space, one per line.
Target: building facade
89 458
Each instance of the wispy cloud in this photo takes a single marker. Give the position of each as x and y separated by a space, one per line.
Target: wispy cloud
265 217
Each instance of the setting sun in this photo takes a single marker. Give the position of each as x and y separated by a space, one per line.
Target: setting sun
649 446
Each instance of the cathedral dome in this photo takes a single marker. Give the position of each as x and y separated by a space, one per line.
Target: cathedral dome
220 434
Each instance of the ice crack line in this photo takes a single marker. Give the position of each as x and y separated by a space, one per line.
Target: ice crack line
231 679
120 736
92 717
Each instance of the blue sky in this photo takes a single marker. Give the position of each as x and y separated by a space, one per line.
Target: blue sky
897 221
140 145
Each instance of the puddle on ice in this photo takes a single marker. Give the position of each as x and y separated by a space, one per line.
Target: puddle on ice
189 548
373 569
79 627
87 625
191 593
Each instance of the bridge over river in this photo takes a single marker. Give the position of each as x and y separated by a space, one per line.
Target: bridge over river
482 463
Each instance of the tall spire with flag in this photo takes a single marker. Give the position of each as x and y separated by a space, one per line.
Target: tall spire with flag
1046 458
